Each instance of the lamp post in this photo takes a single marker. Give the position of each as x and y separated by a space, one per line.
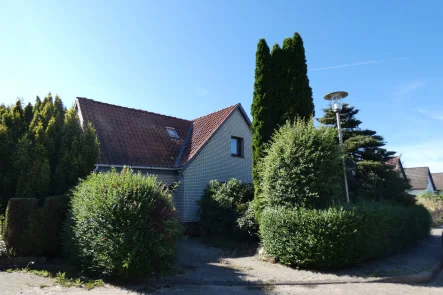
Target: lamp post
336 107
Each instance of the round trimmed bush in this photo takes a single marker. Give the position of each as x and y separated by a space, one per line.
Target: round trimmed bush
339 237
225 210
121 225
301 168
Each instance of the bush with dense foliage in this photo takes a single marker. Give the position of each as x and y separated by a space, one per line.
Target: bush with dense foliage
380 182
121 225
225 210
33 238
54 215
35 231
340 237
301 168
434 203
16 222
2 224
43 150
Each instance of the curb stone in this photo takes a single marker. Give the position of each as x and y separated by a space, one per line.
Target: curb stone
417 278
421 277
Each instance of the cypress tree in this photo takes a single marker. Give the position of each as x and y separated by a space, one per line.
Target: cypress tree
78 152
29 114
298 100
261 109
279 87
6 179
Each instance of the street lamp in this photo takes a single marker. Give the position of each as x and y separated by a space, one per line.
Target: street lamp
336 106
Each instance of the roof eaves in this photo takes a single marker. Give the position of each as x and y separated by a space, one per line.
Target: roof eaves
242 111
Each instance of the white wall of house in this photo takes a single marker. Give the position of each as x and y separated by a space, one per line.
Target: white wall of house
214 161
417 192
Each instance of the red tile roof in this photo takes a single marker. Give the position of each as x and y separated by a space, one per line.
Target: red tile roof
139 138
393 162
202 129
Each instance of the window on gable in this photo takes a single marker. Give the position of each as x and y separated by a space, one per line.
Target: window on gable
172 133
236 146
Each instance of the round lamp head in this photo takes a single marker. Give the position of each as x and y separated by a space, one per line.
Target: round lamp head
334 98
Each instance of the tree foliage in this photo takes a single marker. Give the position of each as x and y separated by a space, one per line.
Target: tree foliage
301 168
261 109
360 144
37 139
281 92
374 179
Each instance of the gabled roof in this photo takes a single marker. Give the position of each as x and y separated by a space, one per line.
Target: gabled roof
438 180
418 177
139 138
396 163
393 162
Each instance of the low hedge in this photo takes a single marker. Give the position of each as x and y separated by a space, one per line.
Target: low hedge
34 231
121 225
16 220
341 237
55 209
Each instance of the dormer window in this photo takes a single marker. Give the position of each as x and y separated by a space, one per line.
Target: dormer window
172 133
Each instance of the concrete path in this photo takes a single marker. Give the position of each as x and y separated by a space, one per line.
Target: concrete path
207 270
199 263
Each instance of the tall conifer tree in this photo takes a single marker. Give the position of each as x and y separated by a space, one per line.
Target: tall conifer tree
298 100
261 105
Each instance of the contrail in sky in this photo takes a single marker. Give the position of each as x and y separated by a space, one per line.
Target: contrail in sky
357 64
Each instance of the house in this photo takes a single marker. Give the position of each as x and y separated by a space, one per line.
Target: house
420 179
438 181
395 162
191 152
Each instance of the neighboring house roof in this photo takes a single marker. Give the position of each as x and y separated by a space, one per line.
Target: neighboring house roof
393 162
438 181
418 177
396 163
139 138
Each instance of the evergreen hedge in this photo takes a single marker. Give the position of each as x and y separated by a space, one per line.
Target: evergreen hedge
339 237
55 209
35 231
16 222
121 225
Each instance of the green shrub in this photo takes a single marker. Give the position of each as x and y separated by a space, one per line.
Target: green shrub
2 224
301 168
380 182
223 207
434 204
340 237
17 214
54 212
33 238
121 225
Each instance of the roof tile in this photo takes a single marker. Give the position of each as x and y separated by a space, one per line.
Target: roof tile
418 177
139 138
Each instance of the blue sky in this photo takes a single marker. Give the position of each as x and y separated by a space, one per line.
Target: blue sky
189 58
